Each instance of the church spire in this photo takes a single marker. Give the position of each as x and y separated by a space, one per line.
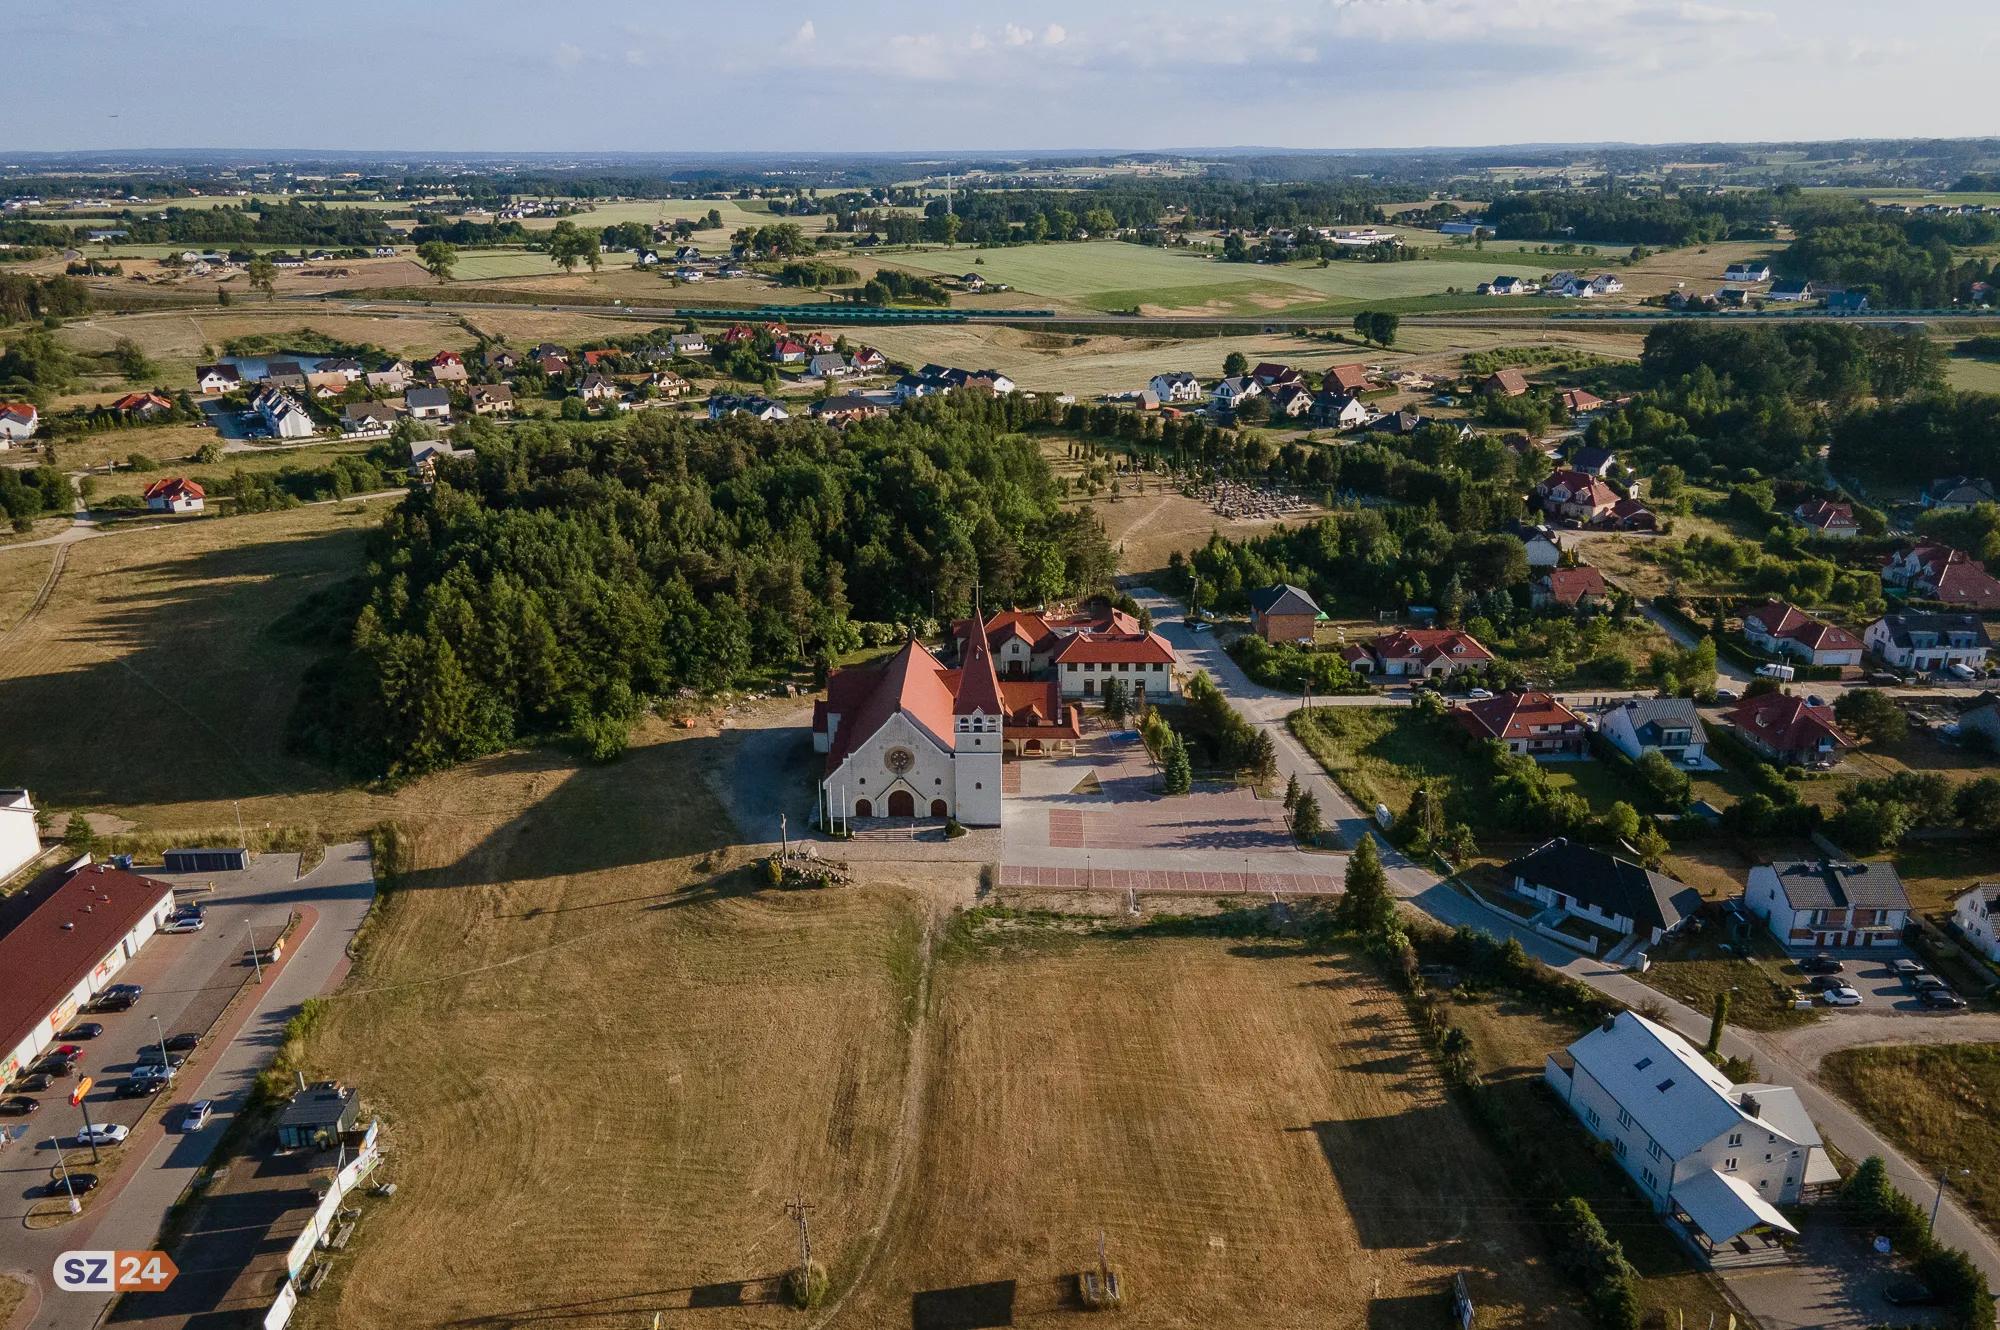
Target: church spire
978 681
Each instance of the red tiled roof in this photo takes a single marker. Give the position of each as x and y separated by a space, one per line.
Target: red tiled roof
1787 724
1826 515
1345 378
1570 585
1514 715
1510 381
1125 647
170 486
978 686
1429 644
18 410
1963 582
1788 621
1582 486
865 696
446 358
54 945
1581 399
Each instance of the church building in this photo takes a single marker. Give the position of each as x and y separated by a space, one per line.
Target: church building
910 738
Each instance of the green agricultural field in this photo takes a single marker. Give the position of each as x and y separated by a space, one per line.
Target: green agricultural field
486 265
1970 375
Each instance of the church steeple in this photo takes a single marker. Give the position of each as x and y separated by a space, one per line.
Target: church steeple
978 681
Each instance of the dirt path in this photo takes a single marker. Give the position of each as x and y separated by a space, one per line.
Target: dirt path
41 597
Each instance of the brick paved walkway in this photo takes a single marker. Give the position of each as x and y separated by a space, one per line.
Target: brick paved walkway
1162 879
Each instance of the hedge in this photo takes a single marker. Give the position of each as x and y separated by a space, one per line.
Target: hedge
1960 1285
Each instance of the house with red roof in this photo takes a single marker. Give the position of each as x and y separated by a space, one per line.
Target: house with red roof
1939 572
1824 518
1418 652
1576 495
1024 643
1534 724
447 367
174 494
1087 662
788 352
1269 374
1789 729
1348 379
908 738
1505 383
18 420
738 335
142 406
1787 630
1575 588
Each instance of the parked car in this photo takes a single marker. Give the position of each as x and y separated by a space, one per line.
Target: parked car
183 924
56 1067
40 1080
123 990
1842 996
182 1043
67 1052
1905 969
1480 694
75 1184
197 1115
1821 964
84 1030
151 1056
1815 701
103 1133
1909 1293
138 1087
111 1002
1940 999
1725 695
19 1106
153 1071
1926 983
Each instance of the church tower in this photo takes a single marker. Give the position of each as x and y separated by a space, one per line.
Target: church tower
978 721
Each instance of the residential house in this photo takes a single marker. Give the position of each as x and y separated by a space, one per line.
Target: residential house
282 414
829 367
1927 641
1530 723
1503 286
1786 630
326 385
1939 572
214 379
1665 725
788 352
346 367
549 351
1633 515
1284 613
1351 379
598 388
1290 400
1543 549
751 404
1141 660
1581 402
392 378
972 281
1605 284
1504 383
1425 652
689 344
385 251
1833 521
491 399
552 366
1604 890
425 454
1403 423
607 357
1790 292
1574 588
1814 904
1973 916
1334 410
1846 302
1232 393
142 406
1715 1158
448 367
1747 272
1958 494
428 403
1980 720
1270 376
367 420
1576 496
1179 386
1593 461
500 359
1789 730
285 374
669 384
868 360
848 407
174 494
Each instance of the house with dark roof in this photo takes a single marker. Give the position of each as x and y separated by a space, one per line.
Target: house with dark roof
1814 904
1789 729
1925 642
1603 889
1665 725
1284 613
1593 461
1529 723
1787 630
1575 588
1957 494
1334 410
1269 374
1835 521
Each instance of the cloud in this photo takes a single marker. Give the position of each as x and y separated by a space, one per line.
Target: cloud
1018 36
1053 35
567 56
805 33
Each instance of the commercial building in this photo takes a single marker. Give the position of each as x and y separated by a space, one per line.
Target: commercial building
20 841
318 1116
62 945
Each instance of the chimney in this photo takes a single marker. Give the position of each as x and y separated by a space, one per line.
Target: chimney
1610 1023
1750 1105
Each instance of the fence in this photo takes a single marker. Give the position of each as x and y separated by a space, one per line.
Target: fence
281 1310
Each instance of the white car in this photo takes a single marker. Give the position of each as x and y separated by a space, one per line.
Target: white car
189 924
197 1114
1480 694
104 1133
1841 997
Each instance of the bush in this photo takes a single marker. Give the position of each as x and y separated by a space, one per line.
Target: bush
1876 1204
1293 669
1594 1260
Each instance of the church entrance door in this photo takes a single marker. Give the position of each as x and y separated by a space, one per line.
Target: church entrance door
902 804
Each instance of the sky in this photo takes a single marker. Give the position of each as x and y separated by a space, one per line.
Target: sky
910 76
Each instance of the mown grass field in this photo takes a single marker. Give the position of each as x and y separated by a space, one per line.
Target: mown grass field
1939 1103
477 265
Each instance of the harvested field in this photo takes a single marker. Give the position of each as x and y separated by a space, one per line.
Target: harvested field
1254 1128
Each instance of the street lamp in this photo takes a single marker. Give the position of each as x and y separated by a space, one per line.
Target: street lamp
161 1035
74 1205
1937 1204
247 928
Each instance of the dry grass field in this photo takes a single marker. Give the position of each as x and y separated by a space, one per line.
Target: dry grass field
1939 1103
1255 1129
22 574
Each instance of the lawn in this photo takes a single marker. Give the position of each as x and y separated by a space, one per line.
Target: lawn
1940 1105
1693 968
1509 1042
477 265
1969 375
1254 1128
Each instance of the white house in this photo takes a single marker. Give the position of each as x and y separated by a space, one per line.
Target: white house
1929 641
1816 904
1179 386
1666 725
1747 272
1340 410
829 367
283 415
1784 629
1544 550
1230 393
1716 1159
218 378
19 840
428 403
1972 913
1605 284
391 378
18 420
1605 890
174 494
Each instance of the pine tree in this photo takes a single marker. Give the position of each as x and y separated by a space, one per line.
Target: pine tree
1176 768
1264 756
1292 791
1366 904
1305 818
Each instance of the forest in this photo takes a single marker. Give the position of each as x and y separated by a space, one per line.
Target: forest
1692 219
569 576
268 224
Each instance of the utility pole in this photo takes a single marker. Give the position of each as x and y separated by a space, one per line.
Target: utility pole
784 843
798 1208
241 839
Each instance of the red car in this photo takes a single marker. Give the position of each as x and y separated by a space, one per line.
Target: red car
67 1052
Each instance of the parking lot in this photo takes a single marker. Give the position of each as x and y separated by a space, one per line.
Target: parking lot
186 980
1882 988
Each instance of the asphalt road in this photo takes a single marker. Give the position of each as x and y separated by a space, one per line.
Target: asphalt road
1790 1058
187 978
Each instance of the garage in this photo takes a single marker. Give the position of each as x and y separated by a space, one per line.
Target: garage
207 861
